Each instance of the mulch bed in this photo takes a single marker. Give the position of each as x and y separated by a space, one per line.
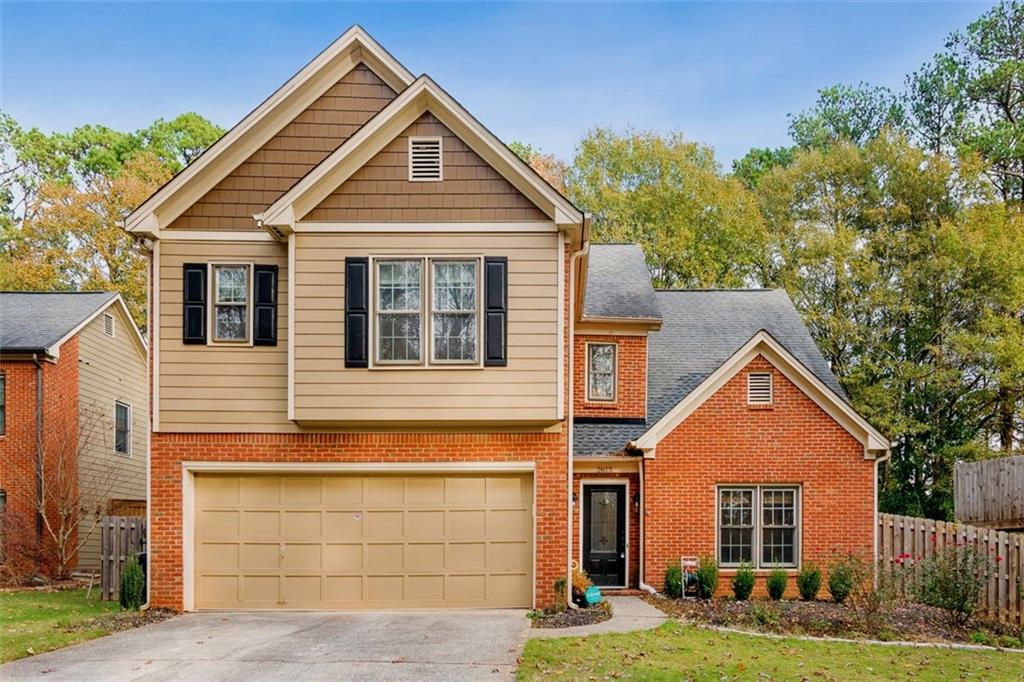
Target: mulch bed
903 621
124 620
570 618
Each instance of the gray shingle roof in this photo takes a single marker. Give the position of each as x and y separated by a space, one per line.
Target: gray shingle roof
701 330
618 283
34 321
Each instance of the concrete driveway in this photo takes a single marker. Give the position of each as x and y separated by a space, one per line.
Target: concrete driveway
295 646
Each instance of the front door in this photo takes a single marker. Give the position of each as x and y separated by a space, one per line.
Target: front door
604 534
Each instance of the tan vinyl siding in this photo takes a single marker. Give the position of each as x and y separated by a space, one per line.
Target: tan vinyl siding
221 388
109 369
290 154
471 191
523 391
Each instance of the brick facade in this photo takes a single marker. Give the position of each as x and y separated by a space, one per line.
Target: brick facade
631 378
18 447
726 442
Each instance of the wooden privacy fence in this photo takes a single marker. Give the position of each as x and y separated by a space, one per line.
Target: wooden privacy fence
990 492
1003 597
121 538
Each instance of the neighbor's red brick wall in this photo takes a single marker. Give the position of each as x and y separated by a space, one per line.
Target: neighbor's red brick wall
18 444
725 442
547 450
631 381
633 536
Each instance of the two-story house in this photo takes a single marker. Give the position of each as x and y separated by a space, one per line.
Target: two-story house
389 370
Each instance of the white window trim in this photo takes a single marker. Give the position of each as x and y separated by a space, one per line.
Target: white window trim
771 388
798 535
113 325
211 297
440 157
426 311
615 373
131 430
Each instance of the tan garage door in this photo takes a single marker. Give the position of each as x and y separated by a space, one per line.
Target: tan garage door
367 541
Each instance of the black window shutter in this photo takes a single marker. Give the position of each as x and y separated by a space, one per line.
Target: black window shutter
495 311
357 311
264 305
193 313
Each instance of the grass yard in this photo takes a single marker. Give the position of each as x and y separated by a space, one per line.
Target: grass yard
36 621
676 651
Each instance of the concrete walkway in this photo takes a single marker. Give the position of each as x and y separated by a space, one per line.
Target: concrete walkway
629 614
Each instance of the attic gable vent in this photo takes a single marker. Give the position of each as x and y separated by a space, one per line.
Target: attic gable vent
108 324
424 159
759 388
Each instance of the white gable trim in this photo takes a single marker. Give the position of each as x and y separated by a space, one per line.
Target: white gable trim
353 47
762 343
422 96
54 350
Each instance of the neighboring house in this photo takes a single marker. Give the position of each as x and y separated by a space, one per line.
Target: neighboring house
74 416
389 370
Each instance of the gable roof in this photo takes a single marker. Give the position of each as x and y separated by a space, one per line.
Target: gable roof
353 47
422 96
618 285
39 322
701 331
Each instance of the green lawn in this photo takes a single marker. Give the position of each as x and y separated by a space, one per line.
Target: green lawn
683 652
43 621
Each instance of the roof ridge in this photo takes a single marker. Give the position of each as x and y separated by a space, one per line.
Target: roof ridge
671 290
12 291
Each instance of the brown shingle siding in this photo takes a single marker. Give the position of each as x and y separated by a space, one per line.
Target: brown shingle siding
298 147
471 190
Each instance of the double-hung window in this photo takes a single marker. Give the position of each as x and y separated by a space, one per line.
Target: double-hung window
399 317
122 428
436 299
601 361
758 525
231 303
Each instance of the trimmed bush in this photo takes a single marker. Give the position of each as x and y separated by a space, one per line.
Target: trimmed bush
776 583
840 580
743 582
808 581
674 581
707 577
133 583
953 579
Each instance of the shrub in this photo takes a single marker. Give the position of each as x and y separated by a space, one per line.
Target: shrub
674 581
870 598
952 579
707 577
840 579
808 581
765 615
776 583
560 594
133 582
743 582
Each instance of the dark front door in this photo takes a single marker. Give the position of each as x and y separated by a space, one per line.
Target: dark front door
604 533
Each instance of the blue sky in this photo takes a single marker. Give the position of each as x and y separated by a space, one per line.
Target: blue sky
724 74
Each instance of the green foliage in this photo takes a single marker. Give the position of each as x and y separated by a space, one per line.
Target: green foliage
707 577
561 596
758 161
698 227
844 113
840 579
674 581
743 582
133 584
808 581
952 579
776 583
765 615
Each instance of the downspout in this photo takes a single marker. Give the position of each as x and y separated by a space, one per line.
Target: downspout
39 454
643 538
146 245
874 520
579 253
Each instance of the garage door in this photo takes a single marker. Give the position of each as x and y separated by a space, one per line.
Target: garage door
368 541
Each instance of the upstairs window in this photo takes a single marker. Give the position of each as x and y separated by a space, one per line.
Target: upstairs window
122 428
759 388
425 159
231 303
601 366
453 311
399 317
